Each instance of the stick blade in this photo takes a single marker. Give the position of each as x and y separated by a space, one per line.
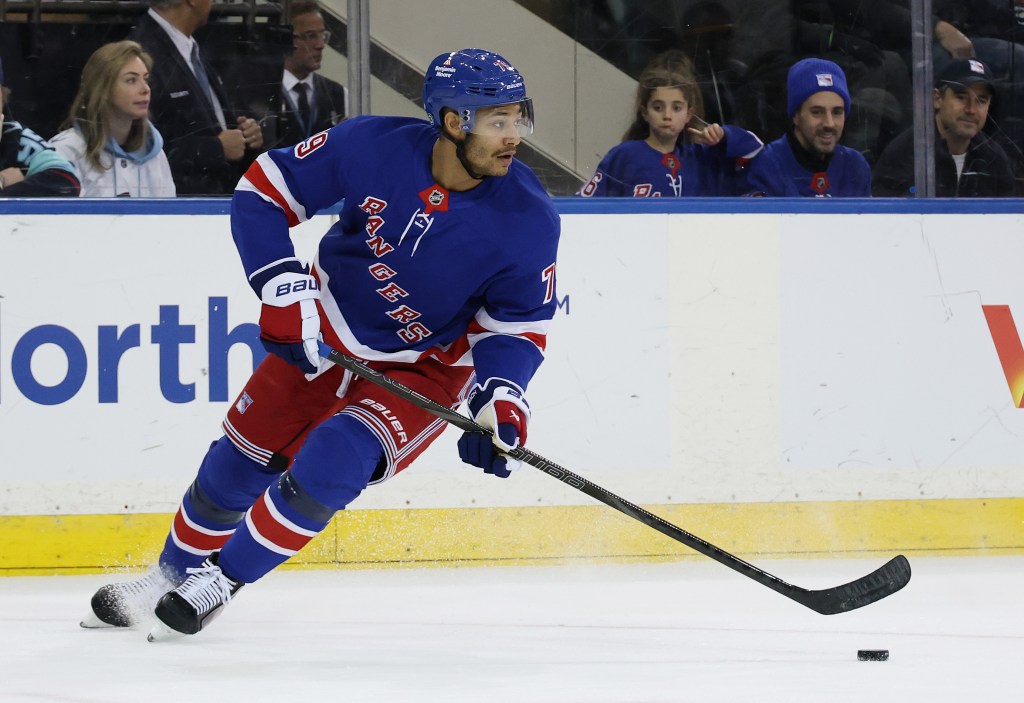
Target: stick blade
883 582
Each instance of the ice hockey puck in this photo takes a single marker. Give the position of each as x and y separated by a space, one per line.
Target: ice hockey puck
872 655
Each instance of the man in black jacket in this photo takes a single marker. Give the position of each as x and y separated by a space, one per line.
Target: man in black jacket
967 163
208 146
305 102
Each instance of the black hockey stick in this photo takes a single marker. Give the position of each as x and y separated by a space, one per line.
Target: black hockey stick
884 581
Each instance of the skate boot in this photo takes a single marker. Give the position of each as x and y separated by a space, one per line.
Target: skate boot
128 603
194 604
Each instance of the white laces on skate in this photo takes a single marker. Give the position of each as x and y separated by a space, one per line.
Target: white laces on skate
206 587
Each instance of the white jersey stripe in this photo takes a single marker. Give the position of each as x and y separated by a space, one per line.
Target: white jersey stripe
186 547
205 530
281 519
243 445
276 548
512 328
432 430
246 185
272 264
276 180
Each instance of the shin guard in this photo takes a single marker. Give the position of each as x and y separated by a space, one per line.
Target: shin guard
331 469
213 506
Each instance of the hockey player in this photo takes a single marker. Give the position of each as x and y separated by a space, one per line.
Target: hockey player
661 154
809 161
439 273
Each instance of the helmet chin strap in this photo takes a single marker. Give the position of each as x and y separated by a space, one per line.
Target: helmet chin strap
460 152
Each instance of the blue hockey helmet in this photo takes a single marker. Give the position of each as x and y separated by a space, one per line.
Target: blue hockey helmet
469 79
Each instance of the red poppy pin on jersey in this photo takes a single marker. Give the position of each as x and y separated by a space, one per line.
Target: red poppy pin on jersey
819 183
671 162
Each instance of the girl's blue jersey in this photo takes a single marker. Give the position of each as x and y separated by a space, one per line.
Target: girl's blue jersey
635 169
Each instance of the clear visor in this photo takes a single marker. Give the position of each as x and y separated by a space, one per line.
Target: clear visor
512 119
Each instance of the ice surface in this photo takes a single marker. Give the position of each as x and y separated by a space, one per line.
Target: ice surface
684 631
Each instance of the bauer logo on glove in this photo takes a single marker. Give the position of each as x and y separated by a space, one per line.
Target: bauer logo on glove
290 319
296 286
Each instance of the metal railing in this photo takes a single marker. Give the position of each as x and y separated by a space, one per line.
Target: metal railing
34 10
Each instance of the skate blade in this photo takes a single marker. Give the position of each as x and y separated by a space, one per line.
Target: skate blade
162 633
91 622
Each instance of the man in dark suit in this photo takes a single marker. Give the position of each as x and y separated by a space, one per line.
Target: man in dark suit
308 102
206 144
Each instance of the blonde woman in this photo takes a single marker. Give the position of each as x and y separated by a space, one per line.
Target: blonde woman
108 135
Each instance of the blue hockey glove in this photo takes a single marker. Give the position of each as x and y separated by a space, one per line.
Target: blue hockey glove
289 320
499 406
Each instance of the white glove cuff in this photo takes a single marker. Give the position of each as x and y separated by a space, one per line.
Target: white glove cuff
504 390
310 330
289 287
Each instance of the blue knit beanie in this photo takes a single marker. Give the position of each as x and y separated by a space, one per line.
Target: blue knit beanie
811 76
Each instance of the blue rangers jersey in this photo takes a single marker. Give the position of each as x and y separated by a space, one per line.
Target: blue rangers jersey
636 169
777 172
410 270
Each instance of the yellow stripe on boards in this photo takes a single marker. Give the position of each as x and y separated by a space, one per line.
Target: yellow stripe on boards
47 544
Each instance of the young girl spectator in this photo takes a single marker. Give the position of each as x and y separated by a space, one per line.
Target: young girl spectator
669 151
108 135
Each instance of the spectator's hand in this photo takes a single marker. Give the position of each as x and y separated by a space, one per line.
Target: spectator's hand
234 144
711 134
953 40
11 176
251 132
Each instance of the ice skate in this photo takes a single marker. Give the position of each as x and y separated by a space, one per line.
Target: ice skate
128 603
195 603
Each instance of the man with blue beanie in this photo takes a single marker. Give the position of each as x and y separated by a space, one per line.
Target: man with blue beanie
809 161
29 165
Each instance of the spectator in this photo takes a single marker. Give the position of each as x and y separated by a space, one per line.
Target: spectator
808 160
208 149
960 29
878 79
29 165
656 159
992 33
967 163
307 102
107 134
